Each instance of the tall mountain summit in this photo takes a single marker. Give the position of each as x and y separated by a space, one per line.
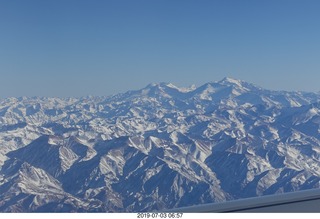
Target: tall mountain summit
160 147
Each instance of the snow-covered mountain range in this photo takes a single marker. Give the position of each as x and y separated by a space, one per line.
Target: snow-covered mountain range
160 147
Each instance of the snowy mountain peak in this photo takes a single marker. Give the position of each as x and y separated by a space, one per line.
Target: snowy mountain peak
160 85
230 81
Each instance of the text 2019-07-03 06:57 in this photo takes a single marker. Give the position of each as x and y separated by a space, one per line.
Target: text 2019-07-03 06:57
159 215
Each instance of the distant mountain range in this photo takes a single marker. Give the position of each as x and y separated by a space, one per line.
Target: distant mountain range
157 148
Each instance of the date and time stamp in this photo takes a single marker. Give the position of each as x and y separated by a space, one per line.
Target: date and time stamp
159 215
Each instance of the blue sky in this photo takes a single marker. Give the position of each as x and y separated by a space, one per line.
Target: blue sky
103 47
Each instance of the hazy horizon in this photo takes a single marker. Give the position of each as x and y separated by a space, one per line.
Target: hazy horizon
166 82
78 48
